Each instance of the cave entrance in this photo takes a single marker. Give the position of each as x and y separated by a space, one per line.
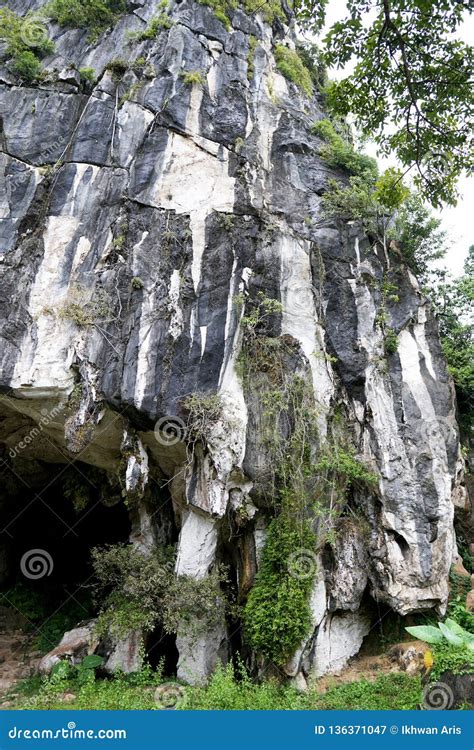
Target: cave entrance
162 652
51 517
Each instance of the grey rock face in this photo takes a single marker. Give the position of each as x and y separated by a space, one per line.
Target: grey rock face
131 217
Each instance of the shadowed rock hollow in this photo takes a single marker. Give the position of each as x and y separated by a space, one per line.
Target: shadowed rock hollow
145 225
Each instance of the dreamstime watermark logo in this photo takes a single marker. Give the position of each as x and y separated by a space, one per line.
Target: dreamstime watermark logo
170 431
46 418
302 564
34 33
438 697
168 695
36 564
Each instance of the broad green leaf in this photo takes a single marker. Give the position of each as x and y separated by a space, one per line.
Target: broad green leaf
427 633
453 638
458 630
92 661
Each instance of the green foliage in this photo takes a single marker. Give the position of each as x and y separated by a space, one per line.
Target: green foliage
221 8
292 67
418 235
118 66
391 692
277 615
354 202
95 15
27 66
253 44
230 688
129 588
341 465
389 190
270 10
458 611
136 283
261 310
455 659
27 41
338 151
313 61
410 88
123 692
453 301
88 77
137 591
157 24
446 632
369 197
390 341
192 78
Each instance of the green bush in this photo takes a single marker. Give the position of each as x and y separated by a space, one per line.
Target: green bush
95 15
390 341
231 689
313 61
458 611
27 66
157 24
137 591
447 657
292 67
342 465
193 77
123 692
339 152
88 77
277 615
27 41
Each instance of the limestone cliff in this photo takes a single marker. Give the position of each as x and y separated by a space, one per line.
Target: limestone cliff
133 216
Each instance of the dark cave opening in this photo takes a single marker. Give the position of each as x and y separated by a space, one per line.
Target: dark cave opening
162 652
51 517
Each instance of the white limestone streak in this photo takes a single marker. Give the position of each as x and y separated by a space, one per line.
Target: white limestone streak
144 334
43 359
176 322
300 318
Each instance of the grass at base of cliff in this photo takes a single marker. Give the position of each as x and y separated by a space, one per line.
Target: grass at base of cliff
224 692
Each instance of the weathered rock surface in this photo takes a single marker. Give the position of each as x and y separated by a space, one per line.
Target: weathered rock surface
73 647
132 216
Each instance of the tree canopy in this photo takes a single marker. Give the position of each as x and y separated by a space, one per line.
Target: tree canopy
411 88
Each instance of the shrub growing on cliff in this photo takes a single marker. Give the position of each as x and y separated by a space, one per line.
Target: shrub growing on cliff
292 67
27 41
137 591
277 615
193 78
95 15
338 151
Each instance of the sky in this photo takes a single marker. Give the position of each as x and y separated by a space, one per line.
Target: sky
456 220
